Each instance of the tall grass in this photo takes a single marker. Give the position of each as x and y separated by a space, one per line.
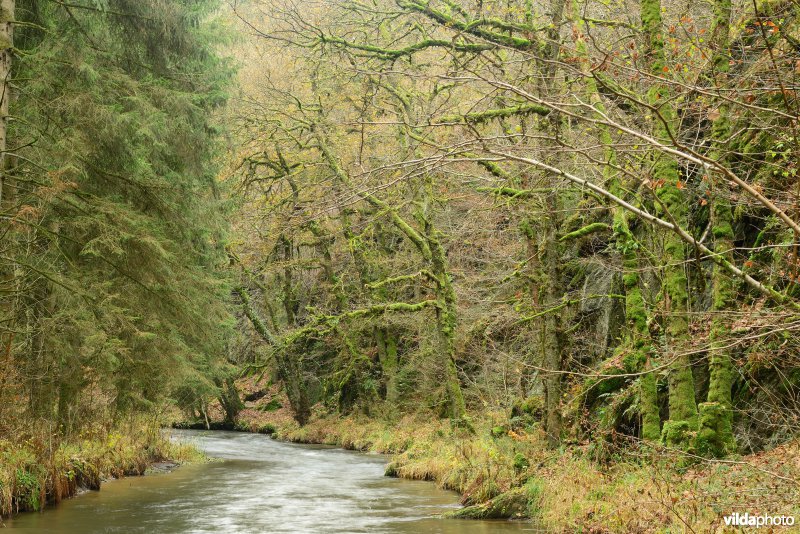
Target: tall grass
37 470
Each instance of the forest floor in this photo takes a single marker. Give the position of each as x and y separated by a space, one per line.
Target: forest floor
35 472
582 487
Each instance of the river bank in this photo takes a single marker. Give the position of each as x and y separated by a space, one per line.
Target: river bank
503 469
36 471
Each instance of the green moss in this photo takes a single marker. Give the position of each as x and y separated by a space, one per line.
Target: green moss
532 406
714 437
651 23
267 428
586 230
723 230
682 404
716 416
520 462
633 361
677 434
682 407
527 229
499 431
630 279
479 117
511 504
648 400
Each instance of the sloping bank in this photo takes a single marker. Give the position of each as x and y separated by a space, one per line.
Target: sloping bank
36 472
502 469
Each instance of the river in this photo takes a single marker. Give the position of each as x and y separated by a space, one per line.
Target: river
262 485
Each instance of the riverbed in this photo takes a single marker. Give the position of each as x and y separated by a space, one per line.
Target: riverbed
262 485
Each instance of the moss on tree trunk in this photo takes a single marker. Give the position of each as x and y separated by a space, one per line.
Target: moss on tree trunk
636 340
715 435
672 205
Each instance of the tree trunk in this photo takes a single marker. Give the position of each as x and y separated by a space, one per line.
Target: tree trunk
229 398
682 404
290 304
446 319
289 369
387 352
637 338
7 8
715 435
553 338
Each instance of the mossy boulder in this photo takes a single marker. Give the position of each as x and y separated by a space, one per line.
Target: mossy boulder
391 470
271 406
527 412
533 405
462 424
521 463
267 428
499 431
512 504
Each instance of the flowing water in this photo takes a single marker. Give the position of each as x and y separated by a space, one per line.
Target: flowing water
262 485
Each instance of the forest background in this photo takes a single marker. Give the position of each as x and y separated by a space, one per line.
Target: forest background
548 254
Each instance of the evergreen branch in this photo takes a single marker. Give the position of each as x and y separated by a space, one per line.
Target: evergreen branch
103 11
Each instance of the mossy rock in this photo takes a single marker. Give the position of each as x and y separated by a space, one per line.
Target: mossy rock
391 470
271 406
499 431
267 428
527 412
533 406
462 423
512 504
520 462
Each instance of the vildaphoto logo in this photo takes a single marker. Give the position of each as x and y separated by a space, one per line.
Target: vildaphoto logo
746 520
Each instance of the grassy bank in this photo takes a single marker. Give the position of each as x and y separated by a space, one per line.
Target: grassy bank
36 471
506 471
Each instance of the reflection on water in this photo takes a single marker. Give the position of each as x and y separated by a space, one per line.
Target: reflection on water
262 485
